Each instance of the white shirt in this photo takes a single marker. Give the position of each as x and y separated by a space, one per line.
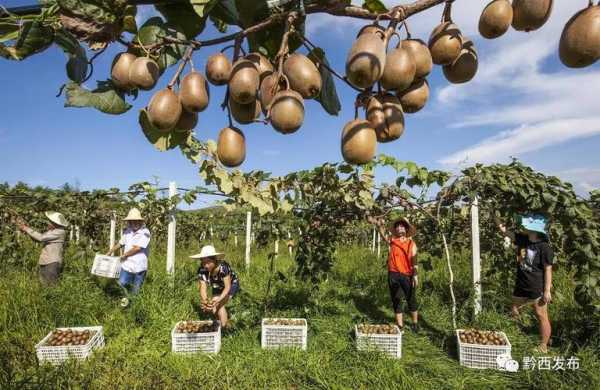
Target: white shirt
140 238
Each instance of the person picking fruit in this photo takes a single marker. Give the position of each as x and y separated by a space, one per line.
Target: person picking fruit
53 241
217 273
533 282
134 266
402 265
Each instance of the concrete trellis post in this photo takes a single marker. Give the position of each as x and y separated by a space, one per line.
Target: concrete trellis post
235 239
171 230
211 232
248 237
77 234
373 241
476 264
71 234
289 246
378 245
113 230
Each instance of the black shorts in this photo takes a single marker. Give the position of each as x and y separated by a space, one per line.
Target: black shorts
520 292
401 288
235 288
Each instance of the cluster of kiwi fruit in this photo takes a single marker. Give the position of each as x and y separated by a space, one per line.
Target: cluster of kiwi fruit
283 321
130 72
197 327
378 329
482 337
580 40
69 337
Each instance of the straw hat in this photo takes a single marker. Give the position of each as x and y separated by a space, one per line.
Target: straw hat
410 230
57 218
134 215
207 251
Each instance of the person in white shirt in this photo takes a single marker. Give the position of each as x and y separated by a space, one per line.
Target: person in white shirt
134 262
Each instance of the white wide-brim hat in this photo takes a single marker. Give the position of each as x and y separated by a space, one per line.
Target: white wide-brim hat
57 218
134 215
207 251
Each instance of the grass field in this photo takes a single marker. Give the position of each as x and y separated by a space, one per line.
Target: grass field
137 352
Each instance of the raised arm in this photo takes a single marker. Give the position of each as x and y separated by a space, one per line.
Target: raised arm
380 224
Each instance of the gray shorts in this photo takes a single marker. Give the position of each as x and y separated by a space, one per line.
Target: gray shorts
49 273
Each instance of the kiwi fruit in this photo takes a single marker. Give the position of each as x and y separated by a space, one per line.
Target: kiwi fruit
445 43
262 64
371 29
463 68
287 111
283 321
384 112
529 15
164 109
244 82
399 71
187 121
366 60
119 73
414 97
218 69
421 55
193 92
245 113
144 73
580 40
231 147
303 75
267 91
495 19
359 141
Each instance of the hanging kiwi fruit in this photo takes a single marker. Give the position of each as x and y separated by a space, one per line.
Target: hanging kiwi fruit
421 54
384 112
218 69
445 40
414 98
580 40
366 60
262 64
244 113
244 82
399 71
464 68
374 28
187 121
164 109
287 111
119 73
194 92
529 15
303 75
144 73
231 147
267 91
495 19
359 142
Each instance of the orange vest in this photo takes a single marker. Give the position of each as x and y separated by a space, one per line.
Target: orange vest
399 259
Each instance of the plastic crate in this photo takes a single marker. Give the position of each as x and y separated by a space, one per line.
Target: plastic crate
276 336
481 356
209 342
390 344
58 354
106 266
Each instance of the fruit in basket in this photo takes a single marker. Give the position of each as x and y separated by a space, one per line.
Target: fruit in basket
283 321
69 337
378 329
482 337
196 327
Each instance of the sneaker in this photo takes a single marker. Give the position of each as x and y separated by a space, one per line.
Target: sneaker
124 302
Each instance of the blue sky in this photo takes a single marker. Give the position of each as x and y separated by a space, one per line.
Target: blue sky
523 103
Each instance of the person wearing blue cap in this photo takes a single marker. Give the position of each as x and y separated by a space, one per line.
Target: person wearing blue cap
534 272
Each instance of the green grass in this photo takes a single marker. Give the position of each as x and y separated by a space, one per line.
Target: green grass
137 352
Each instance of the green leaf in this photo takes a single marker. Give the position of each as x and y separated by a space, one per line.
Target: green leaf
375 6
184 16
33 38
161 140
328 97
227 11
104 98
151 32
77 64
9 30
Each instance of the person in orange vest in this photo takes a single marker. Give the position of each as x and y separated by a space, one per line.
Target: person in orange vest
403 268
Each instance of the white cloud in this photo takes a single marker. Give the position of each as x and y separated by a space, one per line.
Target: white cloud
524 139
584 179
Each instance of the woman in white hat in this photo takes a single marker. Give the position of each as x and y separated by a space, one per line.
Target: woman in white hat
135 240
53 242
225 284
403 268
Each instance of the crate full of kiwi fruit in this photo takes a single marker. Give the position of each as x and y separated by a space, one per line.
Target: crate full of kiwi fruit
386 338
284 332
64 343
481 348
196 336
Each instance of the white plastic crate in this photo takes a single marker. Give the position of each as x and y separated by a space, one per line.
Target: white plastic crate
208 342
481 356
58 354
275 336
106 266
390 344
